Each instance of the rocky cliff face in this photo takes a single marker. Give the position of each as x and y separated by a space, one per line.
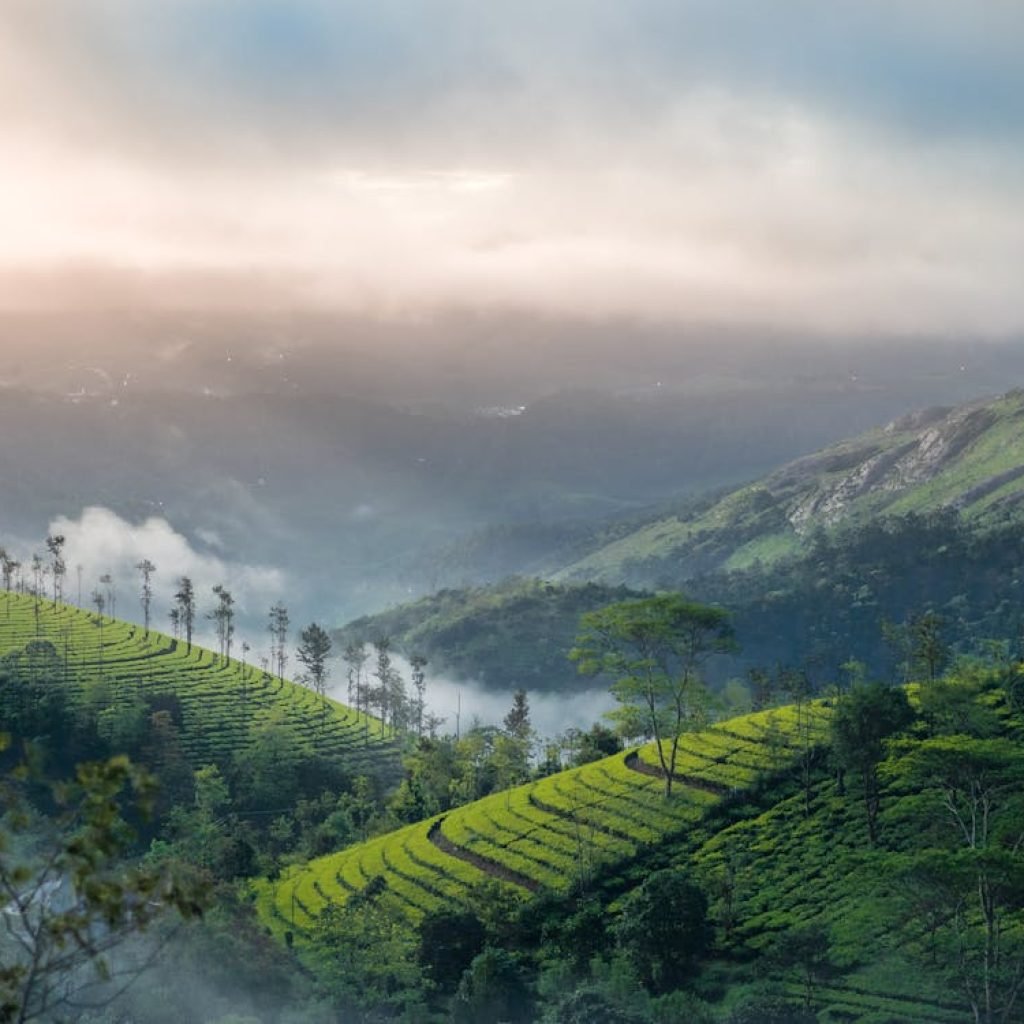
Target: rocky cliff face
936 439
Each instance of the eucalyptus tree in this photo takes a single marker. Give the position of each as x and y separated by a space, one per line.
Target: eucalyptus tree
223 617
970 792
108 582
58 567
186 602
313 651
9 566
146 569
277 626
355 658
419 684
101 603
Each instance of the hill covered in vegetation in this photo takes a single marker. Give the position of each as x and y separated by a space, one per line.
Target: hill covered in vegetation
969 458
843 860
218 708
515 634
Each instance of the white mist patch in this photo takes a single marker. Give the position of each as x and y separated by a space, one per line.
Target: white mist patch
466 701
101 542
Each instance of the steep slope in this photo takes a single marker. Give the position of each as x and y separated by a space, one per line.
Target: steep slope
760 823
547 834
970 459
222 704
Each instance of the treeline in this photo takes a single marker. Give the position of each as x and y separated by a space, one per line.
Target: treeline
517 633
44 578
855 593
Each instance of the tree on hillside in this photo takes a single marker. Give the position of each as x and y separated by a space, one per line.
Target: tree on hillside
186 601
929 651
9 566
379 694
863 720
58 567
313 651
356 657
223 617
277 626
663 929
804 954
39 570
108 582
512 748
419 684
146 569
653 649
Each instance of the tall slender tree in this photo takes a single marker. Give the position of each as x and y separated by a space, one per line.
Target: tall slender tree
419 684
108 582
277 626
146 569
355 658
223 617
313 651
186 600
9 566
382 673
58 567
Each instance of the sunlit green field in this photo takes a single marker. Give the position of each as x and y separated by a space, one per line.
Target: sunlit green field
223 703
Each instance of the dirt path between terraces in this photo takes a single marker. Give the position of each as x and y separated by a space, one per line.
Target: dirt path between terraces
633 763
485 864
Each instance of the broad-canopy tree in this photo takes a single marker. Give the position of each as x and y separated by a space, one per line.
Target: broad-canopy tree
663 929
653 649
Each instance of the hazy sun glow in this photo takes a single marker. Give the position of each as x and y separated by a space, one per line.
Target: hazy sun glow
630 162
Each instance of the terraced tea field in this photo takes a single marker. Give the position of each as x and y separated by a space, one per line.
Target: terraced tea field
548 833
222 703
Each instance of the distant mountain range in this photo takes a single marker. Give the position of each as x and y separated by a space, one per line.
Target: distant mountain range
924 514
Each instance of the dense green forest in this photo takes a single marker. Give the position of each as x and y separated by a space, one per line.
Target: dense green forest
515 634
853 596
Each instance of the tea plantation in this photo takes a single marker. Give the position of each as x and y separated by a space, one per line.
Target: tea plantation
549 833
222 702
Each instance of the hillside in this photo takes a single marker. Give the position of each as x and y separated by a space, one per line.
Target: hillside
549 834
969 458
517 633
806 908
220 707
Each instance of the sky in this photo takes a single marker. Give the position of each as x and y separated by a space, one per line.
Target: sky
855 166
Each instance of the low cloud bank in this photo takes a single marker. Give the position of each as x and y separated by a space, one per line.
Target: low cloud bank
100 542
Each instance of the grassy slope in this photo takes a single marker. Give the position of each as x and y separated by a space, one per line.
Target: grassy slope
544 834
970 458
606 821
222 704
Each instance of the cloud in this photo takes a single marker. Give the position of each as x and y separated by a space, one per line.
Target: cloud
100 542
849 167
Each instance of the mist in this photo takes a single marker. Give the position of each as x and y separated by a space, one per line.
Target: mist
463 703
